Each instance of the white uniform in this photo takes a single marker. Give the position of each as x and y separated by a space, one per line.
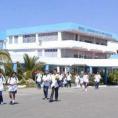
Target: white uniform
54 80
97 78
86 78
46 80
69 77
2 81
77 77
61 77
13 81
39 78
65 80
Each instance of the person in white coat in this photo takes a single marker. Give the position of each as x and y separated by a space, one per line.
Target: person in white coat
12 87
2 82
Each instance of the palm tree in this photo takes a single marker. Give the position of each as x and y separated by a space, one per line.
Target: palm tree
31 64
5 61
5 57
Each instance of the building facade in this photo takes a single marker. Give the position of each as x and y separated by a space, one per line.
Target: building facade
62 45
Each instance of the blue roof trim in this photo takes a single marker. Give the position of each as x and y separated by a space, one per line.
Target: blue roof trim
115 56
42 28
55 27
2 35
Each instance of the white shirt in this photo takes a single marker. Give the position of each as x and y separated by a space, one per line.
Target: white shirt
77 77
61 77
69 77
81 80
54 80
97 78
13 81
65 80
86 78
38 77
46 80
2 81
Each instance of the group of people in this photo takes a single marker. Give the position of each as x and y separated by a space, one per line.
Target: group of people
55 80
47 80
82 80
12 87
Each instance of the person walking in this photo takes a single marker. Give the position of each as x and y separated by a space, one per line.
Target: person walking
65 80
46 84
86 80
38 79
97 80
77 78
69 77
54 85
81 79
2 82
12 87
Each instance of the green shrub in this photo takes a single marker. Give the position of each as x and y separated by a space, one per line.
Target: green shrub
28 75
22 82
91 80
30 83
113 77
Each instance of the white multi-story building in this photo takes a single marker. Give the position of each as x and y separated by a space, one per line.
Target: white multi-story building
62 45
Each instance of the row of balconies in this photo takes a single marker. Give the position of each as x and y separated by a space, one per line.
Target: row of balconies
69 44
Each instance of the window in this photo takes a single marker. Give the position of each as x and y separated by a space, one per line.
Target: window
10 39
76 37
48 36
75 55
15 39
29 38
50 52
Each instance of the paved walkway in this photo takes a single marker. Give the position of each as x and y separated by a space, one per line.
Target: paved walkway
74 103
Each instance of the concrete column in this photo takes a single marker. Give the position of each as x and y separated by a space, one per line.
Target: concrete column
47 67
14 67
20 39
43 53
58 69
67 69
78 37
90 70
37 42
59 53
106 76
59 36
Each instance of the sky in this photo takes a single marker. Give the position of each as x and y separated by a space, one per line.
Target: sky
99 14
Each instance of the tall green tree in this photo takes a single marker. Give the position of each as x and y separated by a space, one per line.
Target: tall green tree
30 65
5 62
5 57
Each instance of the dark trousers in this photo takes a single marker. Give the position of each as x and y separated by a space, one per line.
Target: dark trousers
39 85
1 98
96 85
54 90
45 90
68 83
